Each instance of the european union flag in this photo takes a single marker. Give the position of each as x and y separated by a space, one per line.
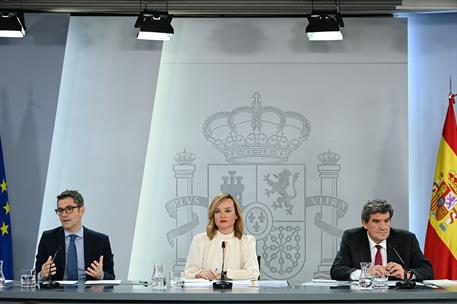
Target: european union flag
6 245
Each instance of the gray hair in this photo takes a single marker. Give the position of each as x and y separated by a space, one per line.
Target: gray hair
75 195
376 206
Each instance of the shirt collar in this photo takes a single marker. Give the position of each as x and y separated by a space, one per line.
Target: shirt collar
225 236
79 233
373 243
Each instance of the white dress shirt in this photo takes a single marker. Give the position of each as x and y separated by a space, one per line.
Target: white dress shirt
355 275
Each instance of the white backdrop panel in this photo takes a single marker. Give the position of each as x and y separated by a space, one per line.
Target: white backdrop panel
353 94
102 125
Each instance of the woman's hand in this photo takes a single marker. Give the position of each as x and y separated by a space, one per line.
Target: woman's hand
208 275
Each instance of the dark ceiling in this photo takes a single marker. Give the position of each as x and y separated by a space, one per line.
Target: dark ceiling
221 8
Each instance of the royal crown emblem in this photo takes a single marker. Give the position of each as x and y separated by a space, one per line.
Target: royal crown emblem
256 134
184 158
329 158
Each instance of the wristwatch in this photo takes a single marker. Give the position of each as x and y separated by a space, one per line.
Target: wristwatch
409 275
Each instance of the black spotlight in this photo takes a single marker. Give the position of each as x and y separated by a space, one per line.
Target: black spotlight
154 25
324 27
12 24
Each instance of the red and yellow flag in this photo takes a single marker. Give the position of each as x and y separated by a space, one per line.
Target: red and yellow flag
441 238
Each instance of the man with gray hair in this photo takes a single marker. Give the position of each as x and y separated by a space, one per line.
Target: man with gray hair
393 252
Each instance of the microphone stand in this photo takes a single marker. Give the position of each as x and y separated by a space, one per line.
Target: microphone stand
223 284
405 283
49 284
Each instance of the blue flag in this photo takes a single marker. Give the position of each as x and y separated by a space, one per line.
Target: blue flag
6 245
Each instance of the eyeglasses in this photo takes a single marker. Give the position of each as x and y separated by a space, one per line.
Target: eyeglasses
68 210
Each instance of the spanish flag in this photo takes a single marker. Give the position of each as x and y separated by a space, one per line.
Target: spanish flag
441 237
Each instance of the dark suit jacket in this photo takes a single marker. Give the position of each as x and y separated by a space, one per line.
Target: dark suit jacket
95 245
355 248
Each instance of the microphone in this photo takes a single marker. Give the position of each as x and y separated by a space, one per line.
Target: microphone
49 283
398 255
222 284
406 283
223 261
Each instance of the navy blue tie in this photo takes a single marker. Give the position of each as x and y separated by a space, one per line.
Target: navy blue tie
72 259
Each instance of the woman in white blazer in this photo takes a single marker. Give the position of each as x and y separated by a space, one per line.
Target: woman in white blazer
225 224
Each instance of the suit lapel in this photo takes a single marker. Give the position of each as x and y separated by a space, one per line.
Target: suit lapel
60 257
87 253
391 255
364 247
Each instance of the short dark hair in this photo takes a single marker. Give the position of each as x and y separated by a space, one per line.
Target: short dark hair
75 195
376 206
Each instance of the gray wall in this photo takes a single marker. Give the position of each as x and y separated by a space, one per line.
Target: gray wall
432 53
102 125
353 94
29 87
27 121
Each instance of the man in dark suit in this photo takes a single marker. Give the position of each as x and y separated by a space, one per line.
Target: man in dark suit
71 251
393 252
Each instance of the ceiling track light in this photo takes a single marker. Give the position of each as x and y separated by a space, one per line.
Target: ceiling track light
154 25
325 25
12 24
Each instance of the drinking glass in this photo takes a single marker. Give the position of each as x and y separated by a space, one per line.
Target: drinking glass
2 276
380 280
366 278
175 279
27 278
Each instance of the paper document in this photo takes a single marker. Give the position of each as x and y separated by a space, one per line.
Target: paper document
103 282
195 280
198 283
242 283
440 283
67 282
323 282
271 284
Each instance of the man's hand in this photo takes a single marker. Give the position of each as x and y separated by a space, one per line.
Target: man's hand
396 270
95 269
378 270
48 267
208 275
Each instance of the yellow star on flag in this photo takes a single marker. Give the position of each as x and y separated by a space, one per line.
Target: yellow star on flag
7 208
4 229
3 185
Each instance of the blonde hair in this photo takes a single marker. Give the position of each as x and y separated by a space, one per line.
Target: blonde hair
211 227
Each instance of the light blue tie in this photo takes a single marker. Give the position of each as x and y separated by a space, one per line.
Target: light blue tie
72 259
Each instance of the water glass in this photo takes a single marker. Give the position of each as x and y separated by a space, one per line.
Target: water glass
366 278
28 278
380 280
175 279
2 277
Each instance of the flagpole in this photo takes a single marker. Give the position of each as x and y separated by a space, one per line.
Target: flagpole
450 85
451 95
